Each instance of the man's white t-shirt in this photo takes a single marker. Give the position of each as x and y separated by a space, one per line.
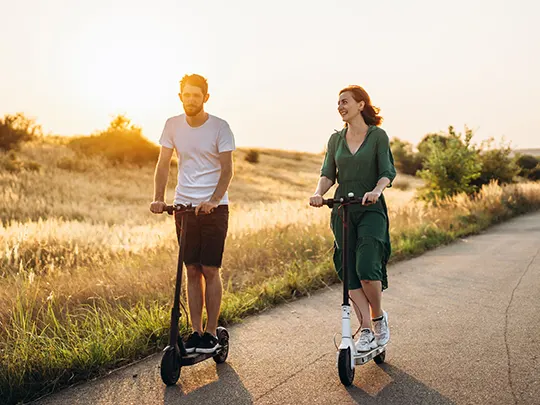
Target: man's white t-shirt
198 152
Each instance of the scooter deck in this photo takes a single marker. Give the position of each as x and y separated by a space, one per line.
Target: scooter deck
194 358
363 357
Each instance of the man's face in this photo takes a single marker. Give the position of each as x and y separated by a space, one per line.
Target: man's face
193 100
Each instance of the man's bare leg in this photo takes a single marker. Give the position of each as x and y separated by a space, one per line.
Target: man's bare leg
195 291
214 292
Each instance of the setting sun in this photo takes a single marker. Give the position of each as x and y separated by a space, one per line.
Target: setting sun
274 75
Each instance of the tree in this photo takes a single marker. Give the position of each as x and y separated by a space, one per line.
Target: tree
121 142
497 164
406 160
16 129
450 165
529 166
426 142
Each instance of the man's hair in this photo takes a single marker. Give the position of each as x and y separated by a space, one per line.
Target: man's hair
194 80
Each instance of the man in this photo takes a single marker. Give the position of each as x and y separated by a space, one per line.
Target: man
204 144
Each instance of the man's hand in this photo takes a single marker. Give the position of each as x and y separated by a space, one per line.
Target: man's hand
371 198
157 207
206 207
316 200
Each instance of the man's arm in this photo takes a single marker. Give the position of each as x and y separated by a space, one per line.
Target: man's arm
161 176
227 172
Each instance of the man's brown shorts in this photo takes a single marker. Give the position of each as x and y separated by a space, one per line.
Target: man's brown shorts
205 237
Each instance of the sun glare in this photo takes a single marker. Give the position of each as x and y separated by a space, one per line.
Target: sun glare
119 69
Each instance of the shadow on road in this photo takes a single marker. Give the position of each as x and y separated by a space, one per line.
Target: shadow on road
401 389
227 389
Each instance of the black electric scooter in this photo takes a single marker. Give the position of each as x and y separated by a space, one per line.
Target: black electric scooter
347 356
175 355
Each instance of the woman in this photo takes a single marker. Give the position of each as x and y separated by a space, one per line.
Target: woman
360 159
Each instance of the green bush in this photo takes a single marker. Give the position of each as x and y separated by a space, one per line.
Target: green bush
11 163
406 160
121 143
529 167
497 165
252 156
428 140
73 164
535 173
16 129
450 166
527 162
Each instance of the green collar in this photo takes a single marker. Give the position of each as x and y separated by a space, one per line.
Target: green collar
343 131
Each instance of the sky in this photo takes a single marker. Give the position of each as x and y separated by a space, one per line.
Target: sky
275 68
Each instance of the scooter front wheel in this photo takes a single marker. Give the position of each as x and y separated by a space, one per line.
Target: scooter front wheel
346 372
223 338
170 366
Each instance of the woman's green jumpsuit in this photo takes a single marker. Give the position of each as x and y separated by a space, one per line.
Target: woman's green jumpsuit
369 236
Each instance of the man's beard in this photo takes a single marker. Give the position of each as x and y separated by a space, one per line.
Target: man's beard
193 111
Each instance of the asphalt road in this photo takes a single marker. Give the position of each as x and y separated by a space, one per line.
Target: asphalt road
465 329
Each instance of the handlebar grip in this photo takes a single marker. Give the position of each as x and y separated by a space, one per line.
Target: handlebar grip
329 203
169 209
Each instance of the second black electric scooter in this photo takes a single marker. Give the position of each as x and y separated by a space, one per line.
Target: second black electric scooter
175 355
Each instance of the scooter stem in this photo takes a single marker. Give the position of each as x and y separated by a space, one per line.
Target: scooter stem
344 255
175 313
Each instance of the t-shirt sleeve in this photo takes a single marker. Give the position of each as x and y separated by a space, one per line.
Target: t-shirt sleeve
385 159
166 138
225 139
328 168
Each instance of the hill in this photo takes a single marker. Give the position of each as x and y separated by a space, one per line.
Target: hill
67 185
528 151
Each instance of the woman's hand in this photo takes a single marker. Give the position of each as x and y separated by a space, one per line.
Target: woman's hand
316 200
371 198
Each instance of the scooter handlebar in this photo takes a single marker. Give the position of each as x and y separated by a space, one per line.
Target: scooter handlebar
350 199
171 209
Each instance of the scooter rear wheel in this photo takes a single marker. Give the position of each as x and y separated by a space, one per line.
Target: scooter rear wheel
170 367
346 372
223 338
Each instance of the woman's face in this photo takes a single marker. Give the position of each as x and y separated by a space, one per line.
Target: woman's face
348 107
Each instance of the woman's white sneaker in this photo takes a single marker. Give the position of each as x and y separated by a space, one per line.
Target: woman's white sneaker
381 329
366 341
